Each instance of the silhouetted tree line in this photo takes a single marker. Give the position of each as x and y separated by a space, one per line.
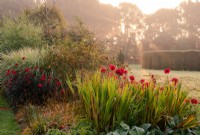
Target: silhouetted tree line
126 28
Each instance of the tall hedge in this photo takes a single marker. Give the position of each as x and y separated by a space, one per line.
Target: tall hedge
177 60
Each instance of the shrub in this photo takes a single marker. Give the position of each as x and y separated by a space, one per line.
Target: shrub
26 79
16 34
51 20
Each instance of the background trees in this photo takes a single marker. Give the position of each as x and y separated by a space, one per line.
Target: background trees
124 28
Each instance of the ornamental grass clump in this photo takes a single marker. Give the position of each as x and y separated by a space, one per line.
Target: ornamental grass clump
106 100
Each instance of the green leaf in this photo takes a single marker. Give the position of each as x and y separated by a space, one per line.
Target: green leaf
124 126
146 126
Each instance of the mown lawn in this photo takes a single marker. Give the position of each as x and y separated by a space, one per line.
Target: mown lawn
8 125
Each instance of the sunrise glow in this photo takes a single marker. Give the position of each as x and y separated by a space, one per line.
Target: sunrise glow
147 6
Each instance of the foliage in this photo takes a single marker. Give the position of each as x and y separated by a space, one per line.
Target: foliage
51 20
147 129
55 132
110 97
105 102
19 33
169 101
83 128
49 118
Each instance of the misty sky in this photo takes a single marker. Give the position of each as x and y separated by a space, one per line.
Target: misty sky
148 6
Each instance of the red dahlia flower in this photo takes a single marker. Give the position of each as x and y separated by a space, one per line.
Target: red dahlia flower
112 67
142 81
40 85
174 80
132 78
103 69
120 71
167 70
23 58
194 101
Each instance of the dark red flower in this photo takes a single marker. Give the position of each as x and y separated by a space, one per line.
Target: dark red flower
174 80
8 72
40 85
142 81
147 84
58 83
125 71
194 101
112 67
132 78
167 70
14 72
16 64
63 91
36 67
103 69
43 78
27 69
120 71
62 126
23 58
124 77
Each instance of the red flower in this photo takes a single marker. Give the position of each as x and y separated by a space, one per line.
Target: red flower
23 58
120 71
167 70
187 101
62 91
194 101
14 72
132 78
112 67
36 67
174 80
40 85
62 126
103 69
125 71
16 64
161 88
43 78
124 77
27 69
58 83
8 72
142 81
147 84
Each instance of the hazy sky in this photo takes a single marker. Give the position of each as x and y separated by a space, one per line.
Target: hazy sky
148 6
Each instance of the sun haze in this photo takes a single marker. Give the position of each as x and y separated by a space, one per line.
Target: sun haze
147 6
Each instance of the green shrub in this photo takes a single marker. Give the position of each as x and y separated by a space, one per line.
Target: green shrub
20 33
51 20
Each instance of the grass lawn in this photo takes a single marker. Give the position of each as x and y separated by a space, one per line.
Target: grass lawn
8 125
190 79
